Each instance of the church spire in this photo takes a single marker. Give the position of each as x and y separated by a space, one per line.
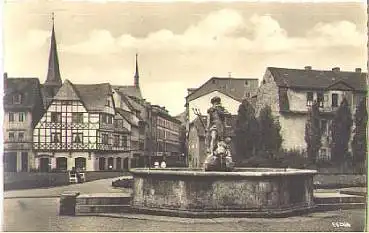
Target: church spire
137 77
53 73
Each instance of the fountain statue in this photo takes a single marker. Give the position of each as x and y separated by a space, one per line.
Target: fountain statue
220 189
218 145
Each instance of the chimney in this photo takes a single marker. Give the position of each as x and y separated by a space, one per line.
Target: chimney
308 67
5 76
358 70
336 69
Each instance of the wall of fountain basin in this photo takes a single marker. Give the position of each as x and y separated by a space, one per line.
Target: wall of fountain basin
244 192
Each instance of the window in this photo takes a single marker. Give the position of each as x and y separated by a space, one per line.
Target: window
110 120
118 164
334 100
11 136
56 117
105 139
77 117
246 82
323 126
61 163
21 136
77 137
124 141
309 98
142 145
55 137
320 98
247 94
324 154
116 140
17 99
80 163
101 163
11 116
107 103
22 116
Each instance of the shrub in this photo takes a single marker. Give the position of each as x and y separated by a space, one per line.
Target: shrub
341 131
313 133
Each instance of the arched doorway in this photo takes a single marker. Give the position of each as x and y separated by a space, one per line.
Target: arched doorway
110 163
61 163
80 163
125 164
118 164
44 164
101 163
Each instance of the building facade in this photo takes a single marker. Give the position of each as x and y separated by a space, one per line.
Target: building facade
291 92
165 135
80 129
23 107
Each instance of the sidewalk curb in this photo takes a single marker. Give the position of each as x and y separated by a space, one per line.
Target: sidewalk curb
20 197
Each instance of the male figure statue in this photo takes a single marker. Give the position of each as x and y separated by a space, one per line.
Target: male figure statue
215 124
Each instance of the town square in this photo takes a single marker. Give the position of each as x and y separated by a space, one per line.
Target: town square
184 116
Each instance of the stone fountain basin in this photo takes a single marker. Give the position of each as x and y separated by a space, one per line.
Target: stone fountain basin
253 192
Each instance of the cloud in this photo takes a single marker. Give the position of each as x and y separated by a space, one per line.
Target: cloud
217 31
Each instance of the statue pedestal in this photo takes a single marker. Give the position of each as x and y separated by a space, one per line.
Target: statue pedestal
218 163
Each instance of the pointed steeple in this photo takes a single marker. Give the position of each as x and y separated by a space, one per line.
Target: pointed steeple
137 77
53 73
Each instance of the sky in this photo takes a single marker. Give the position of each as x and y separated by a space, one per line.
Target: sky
180 45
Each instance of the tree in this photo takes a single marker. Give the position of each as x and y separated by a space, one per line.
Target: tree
313 133
359 142
270 139
246 131
341 131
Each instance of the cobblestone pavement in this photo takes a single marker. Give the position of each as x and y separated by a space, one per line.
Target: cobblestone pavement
97 186
41 214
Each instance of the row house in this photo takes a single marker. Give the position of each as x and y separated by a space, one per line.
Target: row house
165 135
23 108
291 92
81 129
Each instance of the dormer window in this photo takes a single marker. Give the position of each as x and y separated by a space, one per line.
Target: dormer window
17 99
246 83
108 104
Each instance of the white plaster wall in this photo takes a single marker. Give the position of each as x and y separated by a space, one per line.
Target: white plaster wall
293 131
203 104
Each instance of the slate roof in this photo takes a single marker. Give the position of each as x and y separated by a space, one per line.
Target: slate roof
233 87
29 88
129 91
317 79
128 116
93 95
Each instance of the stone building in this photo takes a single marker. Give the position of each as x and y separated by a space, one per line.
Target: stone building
290 93
81 129
23 108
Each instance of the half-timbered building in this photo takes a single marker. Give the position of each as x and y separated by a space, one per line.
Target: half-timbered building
80 129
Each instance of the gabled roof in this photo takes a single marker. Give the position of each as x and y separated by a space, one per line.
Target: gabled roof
129 90
233 87
93 95
28 88
128 116
317 79
67 92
